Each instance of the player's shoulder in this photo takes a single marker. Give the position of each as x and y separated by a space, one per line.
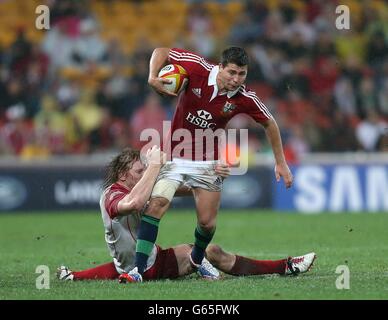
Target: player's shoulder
196 61
250 102
247 94
114 189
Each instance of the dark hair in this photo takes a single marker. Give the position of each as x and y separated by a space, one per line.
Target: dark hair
119 165
234 55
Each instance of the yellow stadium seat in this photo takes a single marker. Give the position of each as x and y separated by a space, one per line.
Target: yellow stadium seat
127 48
119 7
7 37
213 7
272 4
8 6
298 5
70 73
127 70
35 36
234 7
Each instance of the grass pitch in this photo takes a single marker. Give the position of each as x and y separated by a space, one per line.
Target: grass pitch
76 239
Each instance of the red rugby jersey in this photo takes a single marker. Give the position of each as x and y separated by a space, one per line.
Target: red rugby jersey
200 107
111 198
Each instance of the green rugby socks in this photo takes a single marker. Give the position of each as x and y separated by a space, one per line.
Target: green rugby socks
202 239
146 238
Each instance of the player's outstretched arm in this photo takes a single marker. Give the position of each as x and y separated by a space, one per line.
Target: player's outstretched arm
281 167
158 60
141 192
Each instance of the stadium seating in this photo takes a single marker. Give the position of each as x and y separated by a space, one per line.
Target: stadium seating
138 26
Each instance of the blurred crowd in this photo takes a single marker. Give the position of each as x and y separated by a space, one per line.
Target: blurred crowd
77 92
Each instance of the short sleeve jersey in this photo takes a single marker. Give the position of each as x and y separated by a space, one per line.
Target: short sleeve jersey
200 107
121 231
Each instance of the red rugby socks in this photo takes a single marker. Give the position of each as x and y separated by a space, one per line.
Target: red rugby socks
105 271
245 266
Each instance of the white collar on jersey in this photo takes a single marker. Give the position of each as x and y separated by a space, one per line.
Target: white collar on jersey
212 81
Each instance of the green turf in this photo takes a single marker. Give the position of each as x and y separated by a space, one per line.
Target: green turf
76 239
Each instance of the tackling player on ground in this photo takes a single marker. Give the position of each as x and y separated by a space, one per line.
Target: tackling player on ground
127 188
214 94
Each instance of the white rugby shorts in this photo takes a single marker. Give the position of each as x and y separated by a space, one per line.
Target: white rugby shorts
194 174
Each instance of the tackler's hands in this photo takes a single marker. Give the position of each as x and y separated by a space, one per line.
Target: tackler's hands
282 170
155 157
158 85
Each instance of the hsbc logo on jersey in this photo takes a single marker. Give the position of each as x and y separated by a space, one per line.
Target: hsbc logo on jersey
204 115
202 120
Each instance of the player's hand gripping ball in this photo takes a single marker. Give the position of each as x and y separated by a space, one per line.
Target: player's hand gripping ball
178 76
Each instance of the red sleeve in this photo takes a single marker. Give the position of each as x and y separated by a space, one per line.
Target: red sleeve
111 201
191 62
254 107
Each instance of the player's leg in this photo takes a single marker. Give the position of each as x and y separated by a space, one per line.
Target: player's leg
182 253
170 263
148 231
162 194
207 205
242 266
106 271
185 267
207 186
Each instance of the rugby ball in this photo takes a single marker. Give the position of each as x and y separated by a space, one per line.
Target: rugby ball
178 76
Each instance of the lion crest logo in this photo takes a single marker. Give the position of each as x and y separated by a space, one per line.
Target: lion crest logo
228 108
